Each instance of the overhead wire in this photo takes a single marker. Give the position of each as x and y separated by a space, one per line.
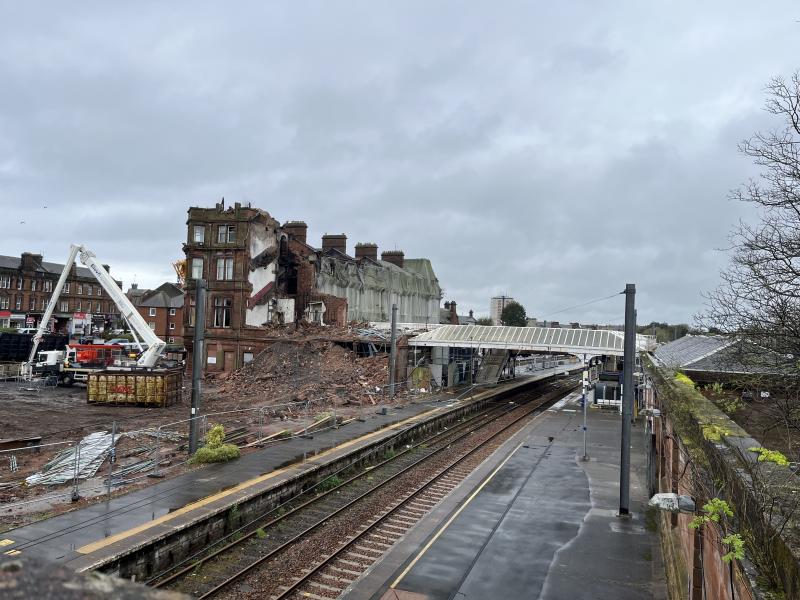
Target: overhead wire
583 304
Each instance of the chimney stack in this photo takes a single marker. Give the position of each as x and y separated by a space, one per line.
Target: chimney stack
335 242
296 230
396 257
453 313
30 261
367 250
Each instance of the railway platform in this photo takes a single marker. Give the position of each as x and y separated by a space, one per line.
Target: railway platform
87 538
534 521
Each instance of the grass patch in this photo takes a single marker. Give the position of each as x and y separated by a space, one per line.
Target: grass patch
330 483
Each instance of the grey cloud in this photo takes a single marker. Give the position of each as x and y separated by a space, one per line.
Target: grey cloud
552 153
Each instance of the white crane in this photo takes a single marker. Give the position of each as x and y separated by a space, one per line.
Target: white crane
155 345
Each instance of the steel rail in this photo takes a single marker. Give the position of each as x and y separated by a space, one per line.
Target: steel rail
440 437
303 534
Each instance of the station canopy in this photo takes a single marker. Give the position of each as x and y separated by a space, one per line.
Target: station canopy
589 342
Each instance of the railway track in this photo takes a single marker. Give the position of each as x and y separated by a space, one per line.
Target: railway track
322 541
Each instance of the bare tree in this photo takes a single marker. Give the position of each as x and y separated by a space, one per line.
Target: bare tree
759 298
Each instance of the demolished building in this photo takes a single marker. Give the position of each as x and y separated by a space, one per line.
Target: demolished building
262 273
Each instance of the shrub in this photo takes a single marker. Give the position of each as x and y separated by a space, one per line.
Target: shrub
328 484
215 450
773 456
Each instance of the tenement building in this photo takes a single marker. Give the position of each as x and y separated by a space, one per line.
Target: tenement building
260 272
27 282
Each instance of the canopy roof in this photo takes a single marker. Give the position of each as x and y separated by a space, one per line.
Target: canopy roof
592 342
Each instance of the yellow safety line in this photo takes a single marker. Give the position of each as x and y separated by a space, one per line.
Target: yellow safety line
99 544
452 518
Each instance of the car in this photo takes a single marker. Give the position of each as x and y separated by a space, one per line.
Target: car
117 341
30 330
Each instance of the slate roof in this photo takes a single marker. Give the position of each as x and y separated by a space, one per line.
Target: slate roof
167 295
722 354
14 262
690 348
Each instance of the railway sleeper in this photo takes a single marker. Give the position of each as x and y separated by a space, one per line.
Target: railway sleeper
333 581
348 572
354 554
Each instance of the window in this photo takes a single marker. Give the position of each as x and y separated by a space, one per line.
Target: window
33 285
98 307
171 312
171 340
152 312
222 312
247 357
44 303
199 234
88 306
225 269
226 234
191 311
172 325
48 285
66 288
64 306
197 268
32 304
78 306
5 282
20 281
151 324
4 302
80 288
19 303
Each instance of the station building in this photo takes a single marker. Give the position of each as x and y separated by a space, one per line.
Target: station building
261 273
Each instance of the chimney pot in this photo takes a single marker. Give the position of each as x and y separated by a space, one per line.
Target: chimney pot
296 230
367 250
334 242
395 257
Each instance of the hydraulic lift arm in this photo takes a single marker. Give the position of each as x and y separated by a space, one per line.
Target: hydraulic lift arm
155 345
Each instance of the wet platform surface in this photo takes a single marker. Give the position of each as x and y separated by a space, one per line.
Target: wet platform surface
534 522
124 520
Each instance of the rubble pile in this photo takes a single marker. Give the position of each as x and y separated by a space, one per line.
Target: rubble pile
302 330
299 371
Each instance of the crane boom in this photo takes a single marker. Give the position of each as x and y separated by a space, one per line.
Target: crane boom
155 345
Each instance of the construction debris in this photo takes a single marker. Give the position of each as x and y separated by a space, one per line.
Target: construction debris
311 370
91 453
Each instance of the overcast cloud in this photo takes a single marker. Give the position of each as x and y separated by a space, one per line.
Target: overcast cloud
553 153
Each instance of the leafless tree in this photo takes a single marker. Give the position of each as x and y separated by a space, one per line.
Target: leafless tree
759 297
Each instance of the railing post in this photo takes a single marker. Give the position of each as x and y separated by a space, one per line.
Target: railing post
157 470
260 424
75 493
111 458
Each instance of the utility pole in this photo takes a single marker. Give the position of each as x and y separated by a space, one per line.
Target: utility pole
198 352
393 351
628 363
583 404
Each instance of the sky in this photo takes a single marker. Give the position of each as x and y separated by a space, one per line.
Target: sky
552 152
